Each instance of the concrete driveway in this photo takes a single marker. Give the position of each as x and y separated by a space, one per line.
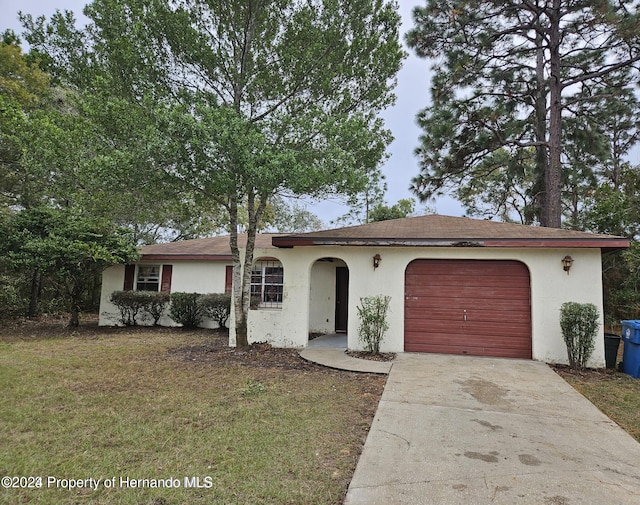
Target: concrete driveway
466 430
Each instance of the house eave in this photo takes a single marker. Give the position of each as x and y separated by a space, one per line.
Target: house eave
186 257
597 243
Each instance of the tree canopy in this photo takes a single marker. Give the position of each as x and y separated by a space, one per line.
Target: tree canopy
70 250
249 99
519 85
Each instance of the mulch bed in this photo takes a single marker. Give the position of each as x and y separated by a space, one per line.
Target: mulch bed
214 351
381 356
259 355
590 374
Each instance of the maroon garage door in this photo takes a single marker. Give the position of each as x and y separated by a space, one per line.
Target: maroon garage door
475 307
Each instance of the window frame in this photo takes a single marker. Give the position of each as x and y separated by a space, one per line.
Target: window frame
267 279
148 280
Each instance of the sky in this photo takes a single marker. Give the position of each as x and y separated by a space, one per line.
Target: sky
412 93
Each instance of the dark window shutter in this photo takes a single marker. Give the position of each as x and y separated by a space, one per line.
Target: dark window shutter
228 279
129 274
165 285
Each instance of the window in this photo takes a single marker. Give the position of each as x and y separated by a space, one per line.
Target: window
267 283
148 278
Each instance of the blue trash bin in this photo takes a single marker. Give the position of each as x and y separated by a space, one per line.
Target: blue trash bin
631 351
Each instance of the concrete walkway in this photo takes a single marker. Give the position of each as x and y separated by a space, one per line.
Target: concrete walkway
329 351
465 430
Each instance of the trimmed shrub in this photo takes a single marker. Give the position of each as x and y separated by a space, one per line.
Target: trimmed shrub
155 304
217 306
137 306
579 323
129 303
373 321
186 310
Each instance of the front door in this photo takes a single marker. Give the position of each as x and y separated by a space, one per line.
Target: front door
342 299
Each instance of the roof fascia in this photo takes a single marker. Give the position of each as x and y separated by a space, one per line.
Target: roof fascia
601 243
186 257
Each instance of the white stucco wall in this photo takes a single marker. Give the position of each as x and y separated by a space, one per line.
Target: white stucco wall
309 291
187 276
112 280
550 287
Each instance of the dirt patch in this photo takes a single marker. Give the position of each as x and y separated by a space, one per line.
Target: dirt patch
258 355
382 356
588 374
56 327
216 349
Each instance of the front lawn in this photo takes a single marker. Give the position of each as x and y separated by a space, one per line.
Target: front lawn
160 407
614 393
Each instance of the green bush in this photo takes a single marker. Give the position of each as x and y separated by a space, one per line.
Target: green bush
186 310
217 306
137 306
129 303
579 323
12 305
373 321
155 304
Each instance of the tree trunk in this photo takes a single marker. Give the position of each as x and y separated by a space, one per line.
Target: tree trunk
36 283
552 216
542 154
242 270
74 319
240 313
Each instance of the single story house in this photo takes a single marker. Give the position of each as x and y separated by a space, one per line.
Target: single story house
457 285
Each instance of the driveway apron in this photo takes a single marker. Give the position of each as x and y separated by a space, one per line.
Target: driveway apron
466 430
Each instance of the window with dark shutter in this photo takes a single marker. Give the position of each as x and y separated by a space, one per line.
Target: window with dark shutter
165 286
129 275
148 278
228 279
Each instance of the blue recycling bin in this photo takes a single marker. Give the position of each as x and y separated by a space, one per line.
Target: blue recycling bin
631 351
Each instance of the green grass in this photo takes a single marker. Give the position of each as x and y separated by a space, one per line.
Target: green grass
119 404
614 393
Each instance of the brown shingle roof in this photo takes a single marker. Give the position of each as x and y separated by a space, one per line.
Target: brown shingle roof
212 249
431 230
436 230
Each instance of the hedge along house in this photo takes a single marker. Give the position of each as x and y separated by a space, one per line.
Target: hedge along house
457 285
192 266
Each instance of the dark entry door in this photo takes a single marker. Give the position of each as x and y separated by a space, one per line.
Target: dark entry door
342 299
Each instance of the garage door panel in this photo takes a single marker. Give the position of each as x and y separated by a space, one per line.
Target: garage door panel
470 342
438 280
469 268
495 295
455 306
462 289
503 352
469 329
488 312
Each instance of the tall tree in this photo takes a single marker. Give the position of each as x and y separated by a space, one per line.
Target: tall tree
405 207
69 249
254 98
508 76
291 217
24 91
363 202
506 189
